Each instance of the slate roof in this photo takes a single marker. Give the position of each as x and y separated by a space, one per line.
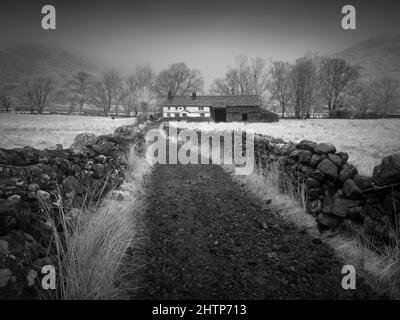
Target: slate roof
213 101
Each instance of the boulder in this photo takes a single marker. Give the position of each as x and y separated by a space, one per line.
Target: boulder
105 148
329 169
348 172
341 205
304 156
306 145
335 159
343 155
351 190
328 221
322 148
355 213
85 140
363 182
388 172
315 160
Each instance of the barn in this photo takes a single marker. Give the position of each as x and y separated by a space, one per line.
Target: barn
216 108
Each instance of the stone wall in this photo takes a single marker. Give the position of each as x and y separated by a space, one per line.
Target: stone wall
31 179
333 190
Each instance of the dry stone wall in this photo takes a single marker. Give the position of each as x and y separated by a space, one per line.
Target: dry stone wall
31 178
333 190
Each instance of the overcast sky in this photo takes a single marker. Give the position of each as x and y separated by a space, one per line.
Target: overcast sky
204 34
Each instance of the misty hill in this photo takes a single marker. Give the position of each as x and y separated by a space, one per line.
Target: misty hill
377 56
24 62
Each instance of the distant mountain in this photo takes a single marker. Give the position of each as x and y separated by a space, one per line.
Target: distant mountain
377 56
20 63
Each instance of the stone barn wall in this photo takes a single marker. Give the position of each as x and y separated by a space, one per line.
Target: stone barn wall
254 114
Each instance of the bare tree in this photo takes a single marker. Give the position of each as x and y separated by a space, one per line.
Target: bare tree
304 86
5 101
179 80
335 74
387 87
141 88
79 89
244 78
363 97
37 93
279 84
108 91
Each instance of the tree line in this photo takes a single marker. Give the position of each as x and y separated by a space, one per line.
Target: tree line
309 85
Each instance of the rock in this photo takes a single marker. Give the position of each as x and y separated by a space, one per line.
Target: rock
305 156
315 160
341 205
8 216
105 148
363 182
348 172
312 183
33 187
317 175
101 159
337 161
294 154
85 140
14 198
355 213
3 247
314 206
5 276
388 172
329 169
328 221
343 155
45 179
322 148
306 145
70 183
351 190
373 210
314 193
43 195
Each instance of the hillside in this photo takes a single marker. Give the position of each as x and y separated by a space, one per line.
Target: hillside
23 62
377 56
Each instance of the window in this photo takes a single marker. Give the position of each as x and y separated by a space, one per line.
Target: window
167 114
201 108
184 115
244 116
202 115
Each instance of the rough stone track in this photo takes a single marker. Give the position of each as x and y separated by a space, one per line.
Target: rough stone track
207 238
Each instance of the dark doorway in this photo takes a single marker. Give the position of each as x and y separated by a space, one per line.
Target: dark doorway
220 115
244 116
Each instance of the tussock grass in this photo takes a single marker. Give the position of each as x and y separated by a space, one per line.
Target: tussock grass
91 250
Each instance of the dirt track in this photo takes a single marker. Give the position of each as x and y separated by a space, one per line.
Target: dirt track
209 239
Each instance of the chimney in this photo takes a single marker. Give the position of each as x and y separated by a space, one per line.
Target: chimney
169 94
194 95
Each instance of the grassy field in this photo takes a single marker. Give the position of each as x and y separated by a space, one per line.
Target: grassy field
366 141
45 131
